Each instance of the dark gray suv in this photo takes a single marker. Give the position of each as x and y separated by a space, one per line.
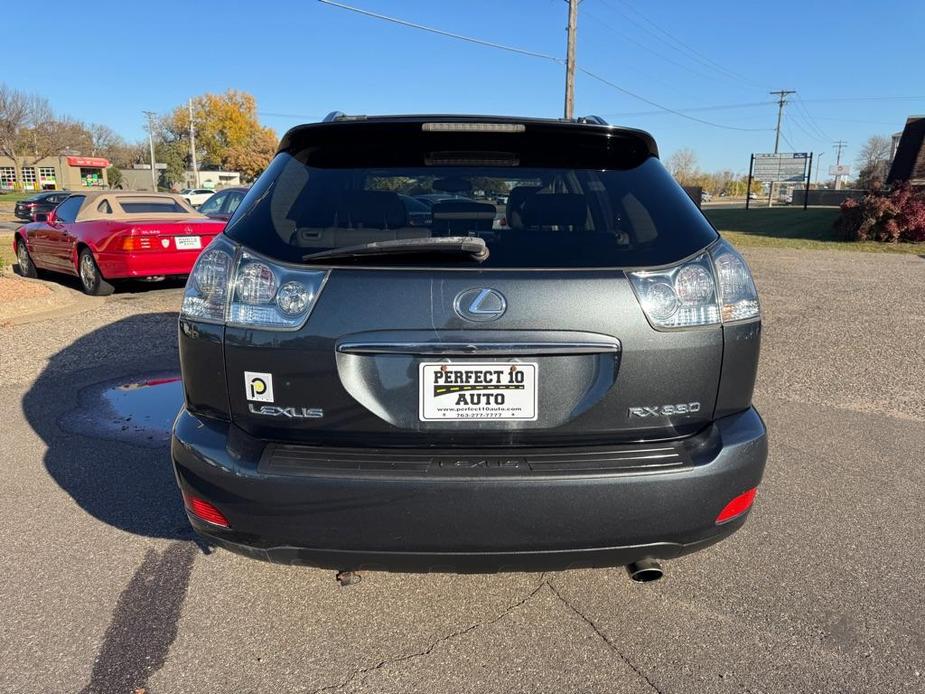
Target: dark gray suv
562 379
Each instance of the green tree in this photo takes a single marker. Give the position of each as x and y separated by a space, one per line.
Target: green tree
173 155
114 176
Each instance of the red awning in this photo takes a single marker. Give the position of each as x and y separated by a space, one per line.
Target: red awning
88 162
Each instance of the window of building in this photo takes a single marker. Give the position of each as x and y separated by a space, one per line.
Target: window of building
7 177
48 178
91 177
28 178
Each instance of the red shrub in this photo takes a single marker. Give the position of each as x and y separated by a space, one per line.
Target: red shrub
897 216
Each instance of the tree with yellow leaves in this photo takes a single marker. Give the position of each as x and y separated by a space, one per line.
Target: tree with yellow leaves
228 133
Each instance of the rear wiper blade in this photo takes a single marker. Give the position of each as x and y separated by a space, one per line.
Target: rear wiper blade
472 246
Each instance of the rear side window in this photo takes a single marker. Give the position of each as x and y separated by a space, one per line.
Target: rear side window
143 205
67 210
606 210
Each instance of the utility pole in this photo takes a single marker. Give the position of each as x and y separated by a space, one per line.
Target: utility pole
839 146
192 146
570 59
818 161
781 95
151 115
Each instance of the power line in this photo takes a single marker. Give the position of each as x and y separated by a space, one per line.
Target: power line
303 116
646 47
864 98
686 50
855 120
810 120
604 80
693 109
441 32
787 142
599 78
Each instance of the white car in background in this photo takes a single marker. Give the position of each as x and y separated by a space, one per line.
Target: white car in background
196 196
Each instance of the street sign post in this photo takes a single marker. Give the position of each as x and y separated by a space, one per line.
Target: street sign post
782 167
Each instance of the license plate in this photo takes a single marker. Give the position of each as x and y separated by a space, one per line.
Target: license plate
477 392
187 243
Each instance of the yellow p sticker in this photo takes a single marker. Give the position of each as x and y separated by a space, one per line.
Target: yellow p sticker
258 386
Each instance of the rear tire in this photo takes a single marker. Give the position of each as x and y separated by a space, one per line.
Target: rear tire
24 260
91 279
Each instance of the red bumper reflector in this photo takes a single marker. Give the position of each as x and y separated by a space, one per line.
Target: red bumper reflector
206 511
737 506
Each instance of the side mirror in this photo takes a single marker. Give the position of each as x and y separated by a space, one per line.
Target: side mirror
40 217
51 217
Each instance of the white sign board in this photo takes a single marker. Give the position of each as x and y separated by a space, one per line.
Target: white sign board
777 168
839 170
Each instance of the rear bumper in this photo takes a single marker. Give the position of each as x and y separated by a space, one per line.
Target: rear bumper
123 265
420 517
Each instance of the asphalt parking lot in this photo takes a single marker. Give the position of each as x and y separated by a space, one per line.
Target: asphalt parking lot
105 589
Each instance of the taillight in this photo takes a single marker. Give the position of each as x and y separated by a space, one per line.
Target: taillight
137 243
233 286
714 287
203 510
737 506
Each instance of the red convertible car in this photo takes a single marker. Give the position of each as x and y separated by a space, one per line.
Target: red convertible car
103 236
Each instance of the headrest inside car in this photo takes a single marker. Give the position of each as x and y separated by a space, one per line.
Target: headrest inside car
545 210
379 209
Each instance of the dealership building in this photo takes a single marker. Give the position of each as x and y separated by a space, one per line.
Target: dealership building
63 172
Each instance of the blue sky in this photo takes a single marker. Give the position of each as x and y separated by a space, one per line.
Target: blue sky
110 61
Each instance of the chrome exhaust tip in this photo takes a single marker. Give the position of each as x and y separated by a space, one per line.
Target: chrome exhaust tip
645 570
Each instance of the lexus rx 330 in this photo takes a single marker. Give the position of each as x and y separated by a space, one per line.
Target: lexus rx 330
562 379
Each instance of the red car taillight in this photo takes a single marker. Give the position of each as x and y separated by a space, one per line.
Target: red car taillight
203 510
737 506
138 243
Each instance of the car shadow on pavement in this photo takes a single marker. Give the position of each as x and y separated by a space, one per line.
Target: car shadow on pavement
121 286
103 406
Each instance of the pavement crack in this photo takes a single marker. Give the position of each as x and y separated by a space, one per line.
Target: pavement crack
433 645
610 644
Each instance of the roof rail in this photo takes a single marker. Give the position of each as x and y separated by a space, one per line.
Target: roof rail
595 120
333 115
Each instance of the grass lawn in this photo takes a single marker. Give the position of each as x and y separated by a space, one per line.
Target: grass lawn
16 197
794 227
7 257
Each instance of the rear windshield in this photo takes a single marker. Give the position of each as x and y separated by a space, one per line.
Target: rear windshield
150 205
530 215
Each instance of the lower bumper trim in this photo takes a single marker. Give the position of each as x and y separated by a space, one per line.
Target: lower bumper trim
460 562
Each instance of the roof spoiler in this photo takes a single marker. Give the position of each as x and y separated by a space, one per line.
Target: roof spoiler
340 115
590 119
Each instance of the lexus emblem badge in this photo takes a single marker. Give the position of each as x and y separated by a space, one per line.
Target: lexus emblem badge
480 305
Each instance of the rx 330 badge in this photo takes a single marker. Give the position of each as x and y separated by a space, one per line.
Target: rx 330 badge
258 386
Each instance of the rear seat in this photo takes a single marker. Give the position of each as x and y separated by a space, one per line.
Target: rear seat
358 217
